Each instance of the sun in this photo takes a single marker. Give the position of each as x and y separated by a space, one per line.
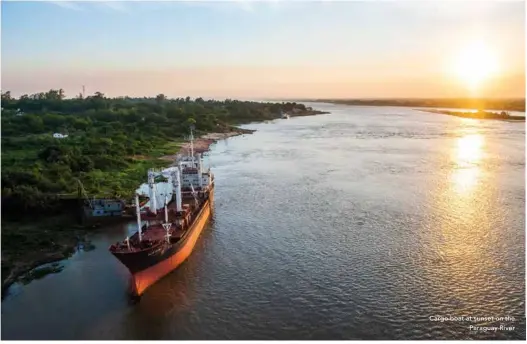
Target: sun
475 64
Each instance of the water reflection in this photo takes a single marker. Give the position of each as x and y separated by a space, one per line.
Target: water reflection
469 149
465 179
468 154
463 234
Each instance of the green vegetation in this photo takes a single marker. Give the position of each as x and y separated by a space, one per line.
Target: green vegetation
110 145
458 103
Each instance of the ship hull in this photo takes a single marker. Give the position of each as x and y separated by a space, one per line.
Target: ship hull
150 266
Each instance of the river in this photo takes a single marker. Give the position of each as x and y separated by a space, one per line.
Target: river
366 223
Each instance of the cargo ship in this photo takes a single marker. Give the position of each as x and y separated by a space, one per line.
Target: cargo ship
172 226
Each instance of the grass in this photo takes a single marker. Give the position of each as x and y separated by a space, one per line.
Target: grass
169 148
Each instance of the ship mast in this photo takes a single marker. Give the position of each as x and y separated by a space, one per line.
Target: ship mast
200 172
166 210
167 224
176 184
138 211
154 189
152 185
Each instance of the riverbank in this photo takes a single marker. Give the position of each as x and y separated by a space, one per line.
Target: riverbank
29 245
307 112
203 143
483 115
461 103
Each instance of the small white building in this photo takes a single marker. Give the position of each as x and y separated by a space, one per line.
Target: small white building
60 136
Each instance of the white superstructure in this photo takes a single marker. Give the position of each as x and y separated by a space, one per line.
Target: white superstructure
188 176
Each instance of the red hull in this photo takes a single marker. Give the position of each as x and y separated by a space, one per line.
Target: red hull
145 278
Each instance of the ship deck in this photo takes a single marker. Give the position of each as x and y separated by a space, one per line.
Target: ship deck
157 232
151 236
187 201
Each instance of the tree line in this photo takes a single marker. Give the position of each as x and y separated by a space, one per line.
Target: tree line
110 143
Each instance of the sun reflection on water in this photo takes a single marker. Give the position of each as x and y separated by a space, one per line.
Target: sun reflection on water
467 157
461 236
469 149
465 179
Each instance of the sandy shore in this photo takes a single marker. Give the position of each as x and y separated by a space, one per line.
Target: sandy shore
203 143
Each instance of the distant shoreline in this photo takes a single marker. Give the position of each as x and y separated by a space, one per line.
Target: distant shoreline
480 115
462 103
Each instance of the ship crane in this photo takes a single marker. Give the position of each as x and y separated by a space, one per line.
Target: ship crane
167 224
194 193
176 182
84 193
166 209
138 211
152 185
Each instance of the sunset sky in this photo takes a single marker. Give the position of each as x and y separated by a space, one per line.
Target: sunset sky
271 49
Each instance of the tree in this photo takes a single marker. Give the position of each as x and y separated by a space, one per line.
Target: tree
190 122
53 154
160 98
34 124
6 96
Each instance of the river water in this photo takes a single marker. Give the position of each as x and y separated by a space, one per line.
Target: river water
366 223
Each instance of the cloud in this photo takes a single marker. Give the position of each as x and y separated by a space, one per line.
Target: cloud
118 6
250 6
245 5
71 5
